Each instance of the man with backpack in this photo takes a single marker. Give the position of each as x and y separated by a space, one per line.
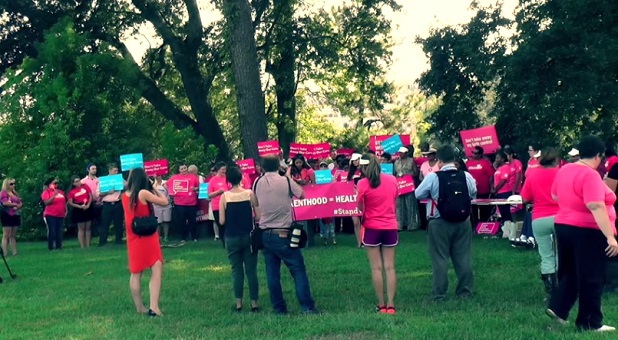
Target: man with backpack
450 192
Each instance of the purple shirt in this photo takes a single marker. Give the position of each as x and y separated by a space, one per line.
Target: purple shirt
273 195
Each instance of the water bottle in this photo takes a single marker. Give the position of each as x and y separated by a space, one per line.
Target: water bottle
295 239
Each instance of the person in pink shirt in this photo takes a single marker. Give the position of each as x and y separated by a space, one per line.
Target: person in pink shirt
611 158
216 187
586 236
184 187
55 211
517 166
482 171
537 190
303 175
81 199
92 181
431 165
534 152
377 197
504 182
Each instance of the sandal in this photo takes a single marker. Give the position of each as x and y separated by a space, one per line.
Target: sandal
390 310
381 309
152 313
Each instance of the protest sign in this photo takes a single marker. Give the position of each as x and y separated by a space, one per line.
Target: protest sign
323 176
392 144
328 200
111 182
268 148
310 151
156 168
387 168
247 166
486 137
375 143
132 161
203 193
406 184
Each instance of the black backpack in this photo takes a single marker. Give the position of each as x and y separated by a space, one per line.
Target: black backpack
454 201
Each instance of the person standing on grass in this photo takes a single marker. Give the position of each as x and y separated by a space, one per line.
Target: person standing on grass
537 190
184 187
163 213
236 209
407 206
92 181
216 187
111 211
450 193
11 214
55 212
586 237
377 199
81 200
483 172
143 251
272 192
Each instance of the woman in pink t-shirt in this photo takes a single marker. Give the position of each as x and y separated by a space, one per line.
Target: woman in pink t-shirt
504 182
216 187
377 197
586 236
55 211
537 190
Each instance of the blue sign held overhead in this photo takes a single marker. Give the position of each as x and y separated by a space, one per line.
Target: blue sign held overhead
323 177
132 161
387 168
111 182
203 193
392 144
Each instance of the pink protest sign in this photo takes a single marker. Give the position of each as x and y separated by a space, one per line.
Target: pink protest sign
406 184
310 151
485 137
156 168
327 200
346 152
247 166
487 228
268 148
376 141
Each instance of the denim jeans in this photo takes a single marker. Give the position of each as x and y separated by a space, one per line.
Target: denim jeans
277 249
55 227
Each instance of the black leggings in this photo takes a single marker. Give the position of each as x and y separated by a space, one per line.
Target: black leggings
215 214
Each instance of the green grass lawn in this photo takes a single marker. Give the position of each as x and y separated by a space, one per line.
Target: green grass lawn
76 294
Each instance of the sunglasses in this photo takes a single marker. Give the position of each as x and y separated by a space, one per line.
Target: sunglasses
323 166
476 153
12 183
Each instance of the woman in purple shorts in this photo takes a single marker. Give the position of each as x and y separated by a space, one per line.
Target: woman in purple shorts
377 196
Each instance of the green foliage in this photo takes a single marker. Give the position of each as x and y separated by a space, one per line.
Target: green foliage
551 83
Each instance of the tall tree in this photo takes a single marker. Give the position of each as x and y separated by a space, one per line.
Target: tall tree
245 65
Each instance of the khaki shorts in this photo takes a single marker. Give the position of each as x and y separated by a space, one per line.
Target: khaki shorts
164 215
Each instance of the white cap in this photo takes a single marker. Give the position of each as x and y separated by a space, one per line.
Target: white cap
364 161
403 149
574 152
537 155
355 156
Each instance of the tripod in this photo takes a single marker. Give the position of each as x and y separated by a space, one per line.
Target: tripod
13 276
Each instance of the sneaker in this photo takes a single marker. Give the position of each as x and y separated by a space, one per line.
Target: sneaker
605 328
334 242
390 310
194 240
216 238
555 317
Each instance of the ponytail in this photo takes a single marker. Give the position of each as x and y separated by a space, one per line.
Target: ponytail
372 170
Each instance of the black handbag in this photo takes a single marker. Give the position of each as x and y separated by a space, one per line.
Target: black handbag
255 239
146 226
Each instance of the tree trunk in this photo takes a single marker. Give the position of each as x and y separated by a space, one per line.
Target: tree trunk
283 71
249 96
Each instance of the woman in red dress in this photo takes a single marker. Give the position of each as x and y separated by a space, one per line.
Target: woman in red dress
144 251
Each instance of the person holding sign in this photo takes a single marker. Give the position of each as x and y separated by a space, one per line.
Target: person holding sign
183 187
377 195
303 175
407 206
143 251
55 212
111 211
216 187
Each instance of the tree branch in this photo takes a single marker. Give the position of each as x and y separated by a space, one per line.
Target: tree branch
151 14
195 28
